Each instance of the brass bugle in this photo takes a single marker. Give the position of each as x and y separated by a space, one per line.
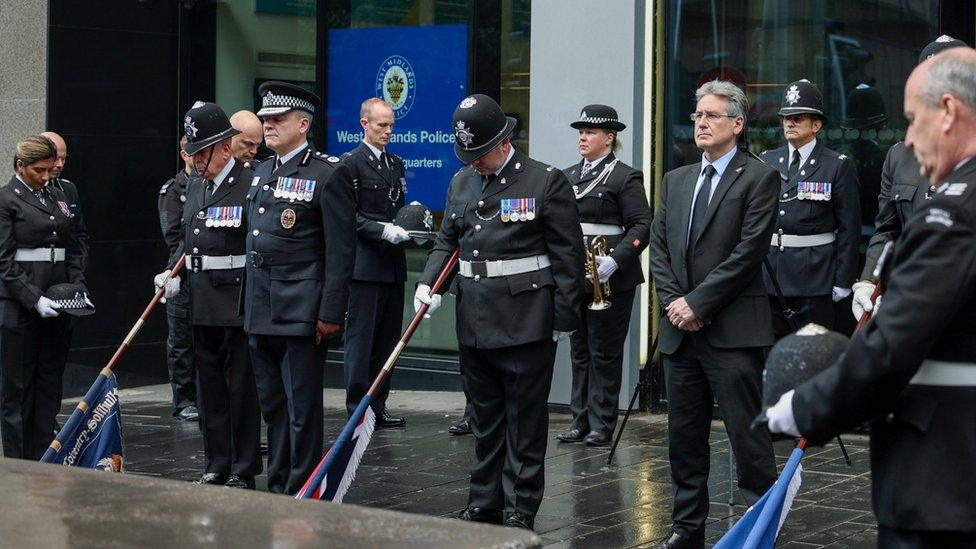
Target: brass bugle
598 246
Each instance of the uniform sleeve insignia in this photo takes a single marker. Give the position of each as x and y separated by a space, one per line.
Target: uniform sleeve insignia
942 217
955 189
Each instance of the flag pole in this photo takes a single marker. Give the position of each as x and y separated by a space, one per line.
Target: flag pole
362 418
81 409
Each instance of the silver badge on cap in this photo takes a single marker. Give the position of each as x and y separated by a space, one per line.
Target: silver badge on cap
190 128
468 102
792 95
464 135
198 104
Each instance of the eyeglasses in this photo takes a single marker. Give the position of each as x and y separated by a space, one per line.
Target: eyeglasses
712 117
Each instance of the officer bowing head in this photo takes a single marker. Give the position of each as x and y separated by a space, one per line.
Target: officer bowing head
482 134
286 111
802 112
208 133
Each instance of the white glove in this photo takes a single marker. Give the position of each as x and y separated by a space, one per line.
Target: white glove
781 416
605 267
172 285
862 298
394 234
46 308
559 336
838 293
422 297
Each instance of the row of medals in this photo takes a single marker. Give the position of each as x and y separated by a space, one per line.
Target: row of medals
233 220
294 189
514 214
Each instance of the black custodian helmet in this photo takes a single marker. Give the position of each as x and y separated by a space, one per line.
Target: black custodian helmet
417 220
802 97
205 124
479 125
940 44
865 109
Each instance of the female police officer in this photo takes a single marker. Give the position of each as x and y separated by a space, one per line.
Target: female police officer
38 249
612 204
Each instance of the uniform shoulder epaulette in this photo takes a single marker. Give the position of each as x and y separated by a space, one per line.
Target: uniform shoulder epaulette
841 156
327 158
165 187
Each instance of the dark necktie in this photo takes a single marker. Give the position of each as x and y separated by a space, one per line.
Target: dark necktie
586 168
488 179
698 216
210 187
277 162
385 159
794 166
41 195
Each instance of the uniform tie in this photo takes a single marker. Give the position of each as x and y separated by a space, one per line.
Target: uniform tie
277 162
587 166
385 159
698 216
794 166
41 195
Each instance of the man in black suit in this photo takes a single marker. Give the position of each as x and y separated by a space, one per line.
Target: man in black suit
708 242
911 370
515 222
71 191
376 292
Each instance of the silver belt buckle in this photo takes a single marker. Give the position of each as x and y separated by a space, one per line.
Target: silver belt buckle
479 268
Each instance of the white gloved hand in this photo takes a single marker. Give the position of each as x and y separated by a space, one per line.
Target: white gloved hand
172 285
781 416
605 267
46 308
394 234
422 297
559 336
862 298
839 293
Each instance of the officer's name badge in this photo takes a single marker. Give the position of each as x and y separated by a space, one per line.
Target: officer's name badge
293 188
224 216
812 190
517 209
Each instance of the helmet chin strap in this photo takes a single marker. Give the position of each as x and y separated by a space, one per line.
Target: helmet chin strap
209 160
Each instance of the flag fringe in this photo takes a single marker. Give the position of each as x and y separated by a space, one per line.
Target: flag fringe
362 434
791 492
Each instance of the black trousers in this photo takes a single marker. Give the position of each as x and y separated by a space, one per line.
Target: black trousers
597 353
696 374
895 538
230 418
32 359
818 309
288 371
179 351
373 328
509 390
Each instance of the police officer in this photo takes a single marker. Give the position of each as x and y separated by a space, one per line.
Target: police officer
245 144
912 369
213 240
71 191
813 253
521 265
301 247
376 293
38 250
613 205
179 339
903 191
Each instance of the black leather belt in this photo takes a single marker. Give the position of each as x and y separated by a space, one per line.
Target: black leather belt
271 259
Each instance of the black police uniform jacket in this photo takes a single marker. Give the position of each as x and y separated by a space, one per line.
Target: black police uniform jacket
512 310
923 437
300 252
215 294
620 200
70 190
172 198
379 196
26 223
903 190
814 271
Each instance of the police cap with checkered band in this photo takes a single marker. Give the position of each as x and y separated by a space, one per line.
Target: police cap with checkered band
281 97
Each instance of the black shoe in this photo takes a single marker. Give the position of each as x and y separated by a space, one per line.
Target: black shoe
460 428
212 478
674 540
519 520
189 414
240 481
477 514
597 439
572 435
386 421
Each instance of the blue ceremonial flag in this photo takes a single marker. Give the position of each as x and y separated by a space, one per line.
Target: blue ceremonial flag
758 528
96 440
334 475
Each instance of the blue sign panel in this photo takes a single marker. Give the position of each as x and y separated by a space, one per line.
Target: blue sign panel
422 73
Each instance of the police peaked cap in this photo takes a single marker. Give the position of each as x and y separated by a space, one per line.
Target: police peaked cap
865 108
71 298
599 116
206 124
940 44
281 97
479 124
802 97
797 358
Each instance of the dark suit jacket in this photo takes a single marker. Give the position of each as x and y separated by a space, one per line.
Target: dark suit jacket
903 191
922 436
77 217
379 196
214 294
621 201
814 271
511 310
727 291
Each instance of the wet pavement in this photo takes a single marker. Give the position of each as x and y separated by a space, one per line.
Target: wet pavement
421 469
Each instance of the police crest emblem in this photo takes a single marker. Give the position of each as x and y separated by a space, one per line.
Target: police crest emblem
288 218
792 95
189 128
463 134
